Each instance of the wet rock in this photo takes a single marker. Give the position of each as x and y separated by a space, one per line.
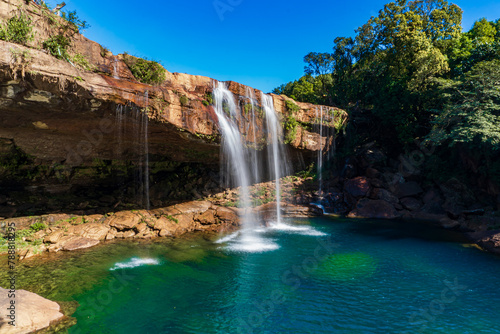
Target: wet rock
489 240
33 312
226 214
206 218
367 208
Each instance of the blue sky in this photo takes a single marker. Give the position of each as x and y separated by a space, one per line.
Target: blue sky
258 43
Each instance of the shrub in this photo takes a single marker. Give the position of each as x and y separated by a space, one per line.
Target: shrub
146 71
184 100
38 227
80 61
292 107
291 129
75 21
18 29
58 46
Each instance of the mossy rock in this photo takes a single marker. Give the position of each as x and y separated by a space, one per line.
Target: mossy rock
348 266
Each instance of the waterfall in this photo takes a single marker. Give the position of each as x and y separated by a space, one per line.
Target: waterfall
253 125
119 130
115 68
320 153
235 151
145 151
227 114
275 154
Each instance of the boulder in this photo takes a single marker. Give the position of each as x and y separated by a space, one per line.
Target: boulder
367 208
76 242
380 193
94 231
408 189
54 237
357 187
206 218
411 203
226 214
33 312
489 240
194 207
124 220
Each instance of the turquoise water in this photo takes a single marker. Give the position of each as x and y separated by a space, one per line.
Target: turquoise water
324 276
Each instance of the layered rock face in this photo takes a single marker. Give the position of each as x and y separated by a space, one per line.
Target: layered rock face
68 128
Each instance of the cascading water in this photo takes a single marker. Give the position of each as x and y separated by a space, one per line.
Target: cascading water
144 151
115 68
320 153
236 153
253 125
276 162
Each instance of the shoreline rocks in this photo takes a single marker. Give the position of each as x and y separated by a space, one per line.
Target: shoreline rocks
32 312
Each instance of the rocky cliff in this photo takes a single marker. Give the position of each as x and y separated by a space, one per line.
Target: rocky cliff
82 126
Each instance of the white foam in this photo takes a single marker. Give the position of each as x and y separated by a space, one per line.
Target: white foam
248 242
135 262
227 238
303 230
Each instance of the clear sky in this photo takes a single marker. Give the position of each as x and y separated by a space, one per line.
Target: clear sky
255 42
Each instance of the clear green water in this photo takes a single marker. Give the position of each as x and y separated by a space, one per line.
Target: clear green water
333 276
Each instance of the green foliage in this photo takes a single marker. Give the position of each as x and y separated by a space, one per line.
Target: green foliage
38 227
184 101
18 29
75 21
209 97
290 126
205 103
58 46
104 51
146 71
471 115
291 106
81 62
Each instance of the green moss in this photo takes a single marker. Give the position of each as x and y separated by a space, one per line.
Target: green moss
247 108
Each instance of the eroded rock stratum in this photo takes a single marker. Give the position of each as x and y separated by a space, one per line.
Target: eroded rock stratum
79 127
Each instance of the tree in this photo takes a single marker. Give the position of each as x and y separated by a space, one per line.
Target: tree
320 65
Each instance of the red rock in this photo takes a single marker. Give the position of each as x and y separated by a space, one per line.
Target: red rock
357 187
